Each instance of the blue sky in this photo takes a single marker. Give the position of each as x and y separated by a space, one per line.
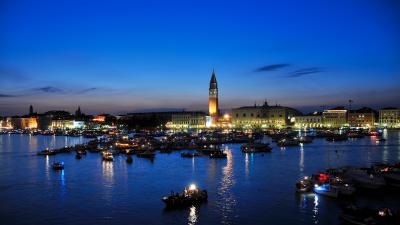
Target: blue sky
124 56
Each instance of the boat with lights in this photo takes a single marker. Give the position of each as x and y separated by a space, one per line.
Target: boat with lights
108 156
304 185
191 195
58 165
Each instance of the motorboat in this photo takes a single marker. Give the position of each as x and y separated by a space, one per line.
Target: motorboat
368 216
191 195
305 139
218 155
304 185
255 147
108 156
327 190
78 156
47 152
147 154
285 142
365 179
57 165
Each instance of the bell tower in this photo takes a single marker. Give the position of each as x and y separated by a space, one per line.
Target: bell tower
213 96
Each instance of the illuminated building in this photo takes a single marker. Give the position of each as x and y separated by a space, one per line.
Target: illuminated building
187 120
311 120
364 117
24 123
67 124
335 118
99 118
213 110
264 116
389 117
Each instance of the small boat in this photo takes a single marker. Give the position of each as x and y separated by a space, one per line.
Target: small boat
368 216
58 165
78 156
304 185
338 137
255 147
305 139
189 154
380 140
147 154
218 155
47 152
286 142
327 190
129 159
108 156
365 179
190 196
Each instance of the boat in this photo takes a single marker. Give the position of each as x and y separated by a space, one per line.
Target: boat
380 140
129 159
337 137
108 156
218 155
255 147
365 179
57 165
208 150
147 154
47 152
304 185
190 155
78 156
285 142
305 139
191 195
368 216
327 190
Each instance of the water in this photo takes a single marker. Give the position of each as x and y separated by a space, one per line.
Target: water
243 189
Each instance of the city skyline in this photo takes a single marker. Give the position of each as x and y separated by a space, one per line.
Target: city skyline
129 57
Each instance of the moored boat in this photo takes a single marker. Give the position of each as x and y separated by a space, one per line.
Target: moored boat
218 155
255 147
57 165
190 196
147 154
304 185
108 156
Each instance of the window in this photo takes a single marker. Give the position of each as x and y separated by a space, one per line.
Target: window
244 114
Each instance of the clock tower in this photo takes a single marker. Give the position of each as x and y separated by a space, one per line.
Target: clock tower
213 97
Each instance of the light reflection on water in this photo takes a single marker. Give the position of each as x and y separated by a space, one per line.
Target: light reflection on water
315 210
193 215
228 201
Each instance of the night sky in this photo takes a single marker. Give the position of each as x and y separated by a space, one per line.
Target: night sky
126 56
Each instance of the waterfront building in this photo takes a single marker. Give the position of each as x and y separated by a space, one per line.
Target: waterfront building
335 118
24 123
389 117
6 123
311 120
264 116
213 109
67 124
363 118
187 120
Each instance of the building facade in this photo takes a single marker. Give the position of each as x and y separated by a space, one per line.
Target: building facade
264 116
187 120
311 120
363 118
335 118
389 117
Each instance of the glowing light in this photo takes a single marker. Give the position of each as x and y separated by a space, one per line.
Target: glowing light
192 187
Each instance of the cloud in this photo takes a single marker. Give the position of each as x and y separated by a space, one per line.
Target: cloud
271 67
304 71
88 90
48 89
7 96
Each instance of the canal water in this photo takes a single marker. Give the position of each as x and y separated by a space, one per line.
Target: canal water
243 189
